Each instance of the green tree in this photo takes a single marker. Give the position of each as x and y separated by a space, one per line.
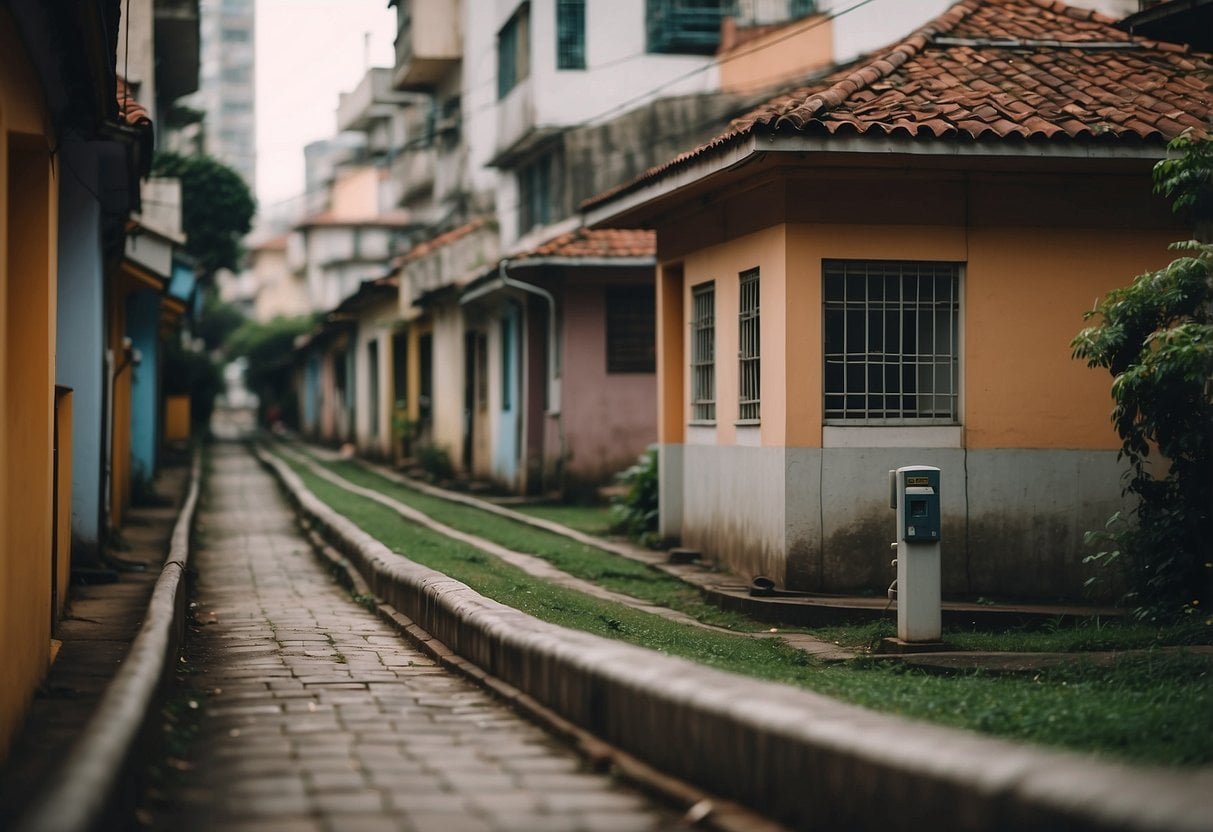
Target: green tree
268 348
219 320
1155 336
216 209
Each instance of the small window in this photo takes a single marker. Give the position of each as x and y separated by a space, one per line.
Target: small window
570 34
703 352
892 346
514 51
748 351
631 329
535 194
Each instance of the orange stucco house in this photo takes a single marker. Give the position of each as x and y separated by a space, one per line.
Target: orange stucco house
885 267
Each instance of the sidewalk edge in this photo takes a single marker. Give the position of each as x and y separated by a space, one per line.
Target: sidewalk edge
92 786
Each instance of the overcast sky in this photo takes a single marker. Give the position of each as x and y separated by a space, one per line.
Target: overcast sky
307 52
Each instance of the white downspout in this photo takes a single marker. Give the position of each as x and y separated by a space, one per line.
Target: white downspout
553 380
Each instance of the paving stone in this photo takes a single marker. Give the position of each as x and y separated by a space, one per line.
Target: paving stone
326 719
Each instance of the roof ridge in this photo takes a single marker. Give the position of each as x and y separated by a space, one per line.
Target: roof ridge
874 70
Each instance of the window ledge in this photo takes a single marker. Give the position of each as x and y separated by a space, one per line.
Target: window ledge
748 423
888 436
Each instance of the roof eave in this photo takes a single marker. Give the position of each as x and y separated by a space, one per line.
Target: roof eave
606 214
585 262
623 209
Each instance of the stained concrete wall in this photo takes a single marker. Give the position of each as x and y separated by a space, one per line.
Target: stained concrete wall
1013 519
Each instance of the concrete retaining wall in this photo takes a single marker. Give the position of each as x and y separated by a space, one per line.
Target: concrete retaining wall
804 759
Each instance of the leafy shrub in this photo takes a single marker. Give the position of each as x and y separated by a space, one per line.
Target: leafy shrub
436 462
634 512
1155 337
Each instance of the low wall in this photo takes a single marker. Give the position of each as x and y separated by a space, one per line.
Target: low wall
801 758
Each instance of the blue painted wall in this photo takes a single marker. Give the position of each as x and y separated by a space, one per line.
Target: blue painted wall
506 451
80 340
143 328
311 393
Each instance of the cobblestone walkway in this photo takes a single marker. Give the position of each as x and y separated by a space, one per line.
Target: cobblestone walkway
317 716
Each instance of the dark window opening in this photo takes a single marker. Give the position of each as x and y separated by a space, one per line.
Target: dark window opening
631 329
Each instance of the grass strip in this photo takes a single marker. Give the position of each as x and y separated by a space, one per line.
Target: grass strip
1056 636
1156 708
595 520
614 572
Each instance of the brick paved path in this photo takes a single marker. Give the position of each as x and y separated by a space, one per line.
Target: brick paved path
316 715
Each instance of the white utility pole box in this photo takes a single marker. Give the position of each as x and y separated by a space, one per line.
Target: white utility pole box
914 494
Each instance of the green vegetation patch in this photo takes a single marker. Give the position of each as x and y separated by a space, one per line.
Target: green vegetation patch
595 520
1156 708
614 572
1055 636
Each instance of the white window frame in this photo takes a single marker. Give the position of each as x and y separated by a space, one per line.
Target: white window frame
749 348
703 353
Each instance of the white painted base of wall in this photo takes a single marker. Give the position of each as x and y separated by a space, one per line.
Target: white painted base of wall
1013 519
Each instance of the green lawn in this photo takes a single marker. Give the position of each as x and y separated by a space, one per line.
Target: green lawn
595 520
1156 708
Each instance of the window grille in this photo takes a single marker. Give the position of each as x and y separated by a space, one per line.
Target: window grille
570 34
535 194
891 342
703 353
749 369
631 329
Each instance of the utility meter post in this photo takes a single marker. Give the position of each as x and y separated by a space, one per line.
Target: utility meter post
915 495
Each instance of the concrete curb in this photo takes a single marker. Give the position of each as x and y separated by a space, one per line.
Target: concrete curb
801 758
94 788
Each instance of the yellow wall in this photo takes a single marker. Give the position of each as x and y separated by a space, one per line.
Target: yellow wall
671 354
785 53
63 496
177 418
28 211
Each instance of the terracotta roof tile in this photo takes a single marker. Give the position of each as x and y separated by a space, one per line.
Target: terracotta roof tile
601 243
992 70
442 240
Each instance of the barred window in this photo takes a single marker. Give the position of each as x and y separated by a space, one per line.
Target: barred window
748 352
891 342
703 352
514 51
631 329
570 34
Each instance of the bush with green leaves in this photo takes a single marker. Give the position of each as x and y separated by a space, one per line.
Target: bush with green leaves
216 208
269 350
1155 336
635 512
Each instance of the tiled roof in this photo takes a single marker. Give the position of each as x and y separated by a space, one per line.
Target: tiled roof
993 70
601 243
442 240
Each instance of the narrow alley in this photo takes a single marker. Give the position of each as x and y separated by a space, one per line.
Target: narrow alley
317 715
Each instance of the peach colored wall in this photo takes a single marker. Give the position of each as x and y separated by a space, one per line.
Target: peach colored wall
1026 291
777 56
764 250
808 245
1016 235
356 194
